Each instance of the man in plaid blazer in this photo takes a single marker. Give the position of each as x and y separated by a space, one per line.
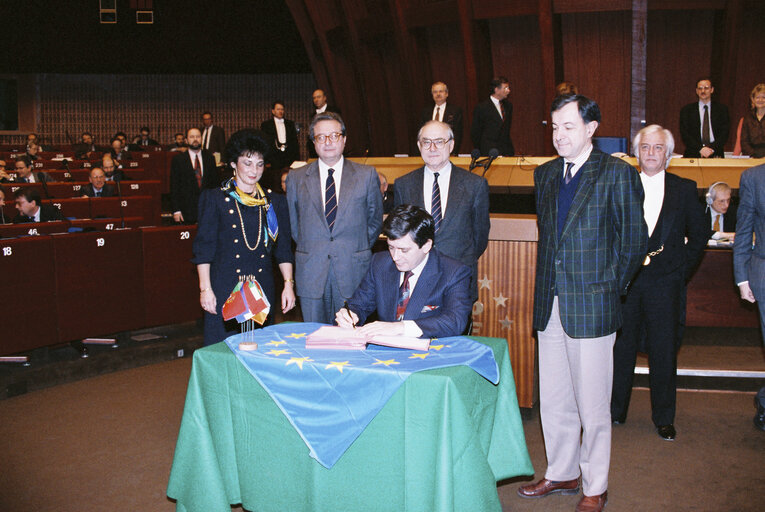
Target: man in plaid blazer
592 240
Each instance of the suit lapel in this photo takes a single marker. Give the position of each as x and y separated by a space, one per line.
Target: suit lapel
348 184
669 208
549 199
390 274
314 185
456 197
583 192
417 192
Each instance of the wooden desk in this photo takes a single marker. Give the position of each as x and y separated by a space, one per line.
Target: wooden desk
517 172
713 297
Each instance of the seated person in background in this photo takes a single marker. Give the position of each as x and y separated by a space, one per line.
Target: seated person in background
32 150
2 206
179 143
285 172
144 139
118 152
753 127
111 171
416 290
31 208
24 173
565 88
86 147
97 186
387 195
722 218
4 176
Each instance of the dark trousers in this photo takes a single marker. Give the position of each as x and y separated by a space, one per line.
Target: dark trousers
652 312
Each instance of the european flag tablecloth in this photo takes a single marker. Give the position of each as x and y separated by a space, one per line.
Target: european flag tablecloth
330 396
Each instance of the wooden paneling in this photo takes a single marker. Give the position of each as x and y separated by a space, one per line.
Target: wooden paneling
679 52
596 57
516 54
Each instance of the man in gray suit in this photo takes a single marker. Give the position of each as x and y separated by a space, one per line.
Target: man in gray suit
336 216
749 257
457 199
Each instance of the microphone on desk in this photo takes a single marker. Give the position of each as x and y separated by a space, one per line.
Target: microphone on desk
474 155
493 154
117 178
45 188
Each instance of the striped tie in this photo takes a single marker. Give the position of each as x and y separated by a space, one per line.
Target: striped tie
330 202
435 205
403 296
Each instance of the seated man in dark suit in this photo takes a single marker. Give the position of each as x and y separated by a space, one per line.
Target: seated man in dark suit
24 173
112 170
97 186
145 139
2 206
722 215
85 148
118 152
31 210
416 290
4 176
179 143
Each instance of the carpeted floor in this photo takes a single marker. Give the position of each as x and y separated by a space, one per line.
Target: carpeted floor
106 443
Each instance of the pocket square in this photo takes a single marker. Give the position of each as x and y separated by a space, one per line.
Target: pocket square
428 309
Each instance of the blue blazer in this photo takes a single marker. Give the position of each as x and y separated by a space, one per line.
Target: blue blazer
439 305
748 256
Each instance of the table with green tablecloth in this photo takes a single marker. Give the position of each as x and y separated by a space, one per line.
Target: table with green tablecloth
440 443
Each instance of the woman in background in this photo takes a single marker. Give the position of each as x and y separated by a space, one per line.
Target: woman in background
753 128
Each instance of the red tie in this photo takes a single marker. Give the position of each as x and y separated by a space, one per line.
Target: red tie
403 296
198 171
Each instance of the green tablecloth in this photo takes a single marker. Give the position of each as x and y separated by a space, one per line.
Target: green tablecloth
440 444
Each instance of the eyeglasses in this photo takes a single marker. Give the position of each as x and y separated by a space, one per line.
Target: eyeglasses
332 137
439 143
703 87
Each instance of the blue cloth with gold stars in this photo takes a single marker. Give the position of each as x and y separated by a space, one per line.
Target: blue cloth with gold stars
330 396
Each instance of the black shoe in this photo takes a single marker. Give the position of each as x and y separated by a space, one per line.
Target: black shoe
759 418
666 432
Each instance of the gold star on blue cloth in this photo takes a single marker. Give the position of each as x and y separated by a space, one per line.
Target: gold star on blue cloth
345 376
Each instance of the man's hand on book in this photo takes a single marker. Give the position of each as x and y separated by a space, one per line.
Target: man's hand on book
345 318
383 328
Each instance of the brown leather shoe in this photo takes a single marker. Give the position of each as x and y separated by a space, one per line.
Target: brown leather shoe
592 503
546 487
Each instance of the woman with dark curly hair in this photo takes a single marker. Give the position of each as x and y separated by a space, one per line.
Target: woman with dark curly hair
242 231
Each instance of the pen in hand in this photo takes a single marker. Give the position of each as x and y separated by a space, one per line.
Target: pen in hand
345 305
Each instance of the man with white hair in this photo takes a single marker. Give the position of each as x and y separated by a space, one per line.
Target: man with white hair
656 297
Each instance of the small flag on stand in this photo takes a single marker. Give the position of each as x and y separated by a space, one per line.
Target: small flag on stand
247 302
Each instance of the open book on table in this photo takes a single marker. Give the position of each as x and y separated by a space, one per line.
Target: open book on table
339 338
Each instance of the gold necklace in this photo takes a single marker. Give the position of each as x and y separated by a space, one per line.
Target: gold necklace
241 223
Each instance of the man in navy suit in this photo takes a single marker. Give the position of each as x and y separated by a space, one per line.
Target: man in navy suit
492 120
31 209
592 240
704 124
415 290
749 257
448 113
656 299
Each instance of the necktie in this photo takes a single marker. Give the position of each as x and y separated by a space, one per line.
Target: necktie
435 205
96 194
716 226
330 201
568 176
705 126
198 171
438 114
403 296
502 110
